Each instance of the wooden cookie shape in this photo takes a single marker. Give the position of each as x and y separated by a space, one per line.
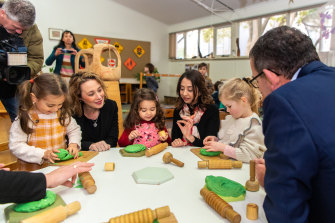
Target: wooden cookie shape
109 166
142 216
220 206
219 164
88 182
168 157
156 149
56 214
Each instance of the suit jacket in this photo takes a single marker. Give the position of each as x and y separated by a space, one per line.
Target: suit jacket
208 125
20 187
298 125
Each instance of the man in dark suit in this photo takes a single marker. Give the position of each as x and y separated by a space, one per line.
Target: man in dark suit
299 124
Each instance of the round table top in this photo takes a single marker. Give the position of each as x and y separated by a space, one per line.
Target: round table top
118 193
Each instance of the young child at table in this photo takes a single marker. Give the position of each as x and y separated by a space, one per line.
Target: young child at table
240 136
144 121
43 121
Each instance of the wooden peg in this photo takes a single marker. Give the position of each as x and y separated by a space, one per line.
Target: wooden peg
109 166
168 157
252 184
156 149
57 214
220 206
219 164
142 216
252 211
88 182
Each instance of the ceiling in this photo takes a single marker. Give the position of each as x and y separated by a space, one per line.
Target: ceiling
176 11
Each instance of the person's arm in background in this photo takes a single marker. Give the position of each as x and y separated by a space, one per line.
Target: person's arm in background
33 41
291 162
20 187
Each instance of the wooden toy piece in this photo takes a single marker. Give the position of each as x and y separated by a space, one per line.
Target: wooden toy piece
168 157
219 164
88 182
220 206
252 184
156 149
252 211
142 216
109 166
162 133
57 214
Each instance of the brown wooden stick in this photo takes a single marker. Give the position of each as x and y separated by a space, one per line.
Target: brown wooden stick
156 149
220 206
56 214
168 157
142 216
88 182
219 164
252 184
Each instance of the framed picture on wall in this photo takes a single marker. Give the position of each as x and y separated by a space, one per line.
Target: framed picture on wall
55 34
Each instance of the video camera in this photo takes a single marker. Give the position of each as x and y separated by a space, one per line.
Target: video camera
13 60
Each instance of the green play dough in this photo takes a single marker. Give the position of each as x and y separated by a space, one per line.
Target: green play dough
210 153
37 205
134 148
227 189
65 155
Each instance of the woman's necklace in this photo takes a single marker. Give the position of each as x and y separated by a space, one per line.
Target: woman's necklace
95 121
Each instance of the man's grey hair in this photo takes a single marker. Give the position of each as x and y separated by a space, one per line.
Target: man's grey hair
21 11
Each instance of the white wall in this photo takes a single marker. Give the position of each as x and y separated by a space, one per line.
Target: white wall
102 18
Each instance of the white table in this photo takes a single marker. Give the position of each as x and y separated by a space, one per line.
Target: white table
118 194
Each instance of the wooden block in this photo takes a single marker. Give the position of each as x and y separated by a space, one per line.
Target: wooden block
109 166
252 211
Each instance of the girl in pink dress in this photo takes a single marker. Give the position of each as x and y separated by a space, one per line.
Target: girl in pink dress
144 121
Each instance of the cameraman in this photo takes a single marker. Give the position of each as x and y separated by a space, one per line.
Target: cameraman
17 17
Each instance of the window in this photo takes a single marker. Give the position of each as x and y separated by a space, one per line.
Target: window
245 28
180 43
223 41
272 22
206 41
192 44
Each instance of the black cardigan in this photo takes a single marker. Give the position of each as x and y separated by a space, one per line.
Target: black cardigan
209 125
21 187
107 128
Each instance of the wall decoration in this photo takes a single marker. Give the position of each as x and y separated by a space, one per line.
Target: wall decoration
111 63
55 34
101 40
130 63
85 44
118 46
139 51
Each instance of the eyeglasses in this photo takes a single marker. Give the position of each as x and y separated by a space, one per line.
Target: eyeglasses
253 82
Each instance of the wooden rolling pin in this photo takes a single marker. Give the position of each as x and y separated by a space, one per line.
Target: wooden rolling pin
142 216
88 182
156 149
54 215
220 206
219 164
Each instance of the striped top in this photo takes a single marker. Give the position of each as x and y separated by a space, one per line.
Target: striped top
66 69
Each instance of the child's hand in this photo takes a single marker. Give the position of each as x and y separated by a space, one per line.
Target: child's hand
133 134
1 167
212 146
163 138
178 143
209 139
73 150
50 155
99 146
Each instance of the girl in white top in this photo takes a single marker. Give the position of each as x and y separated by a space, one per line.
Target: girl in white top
43 122
240 136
